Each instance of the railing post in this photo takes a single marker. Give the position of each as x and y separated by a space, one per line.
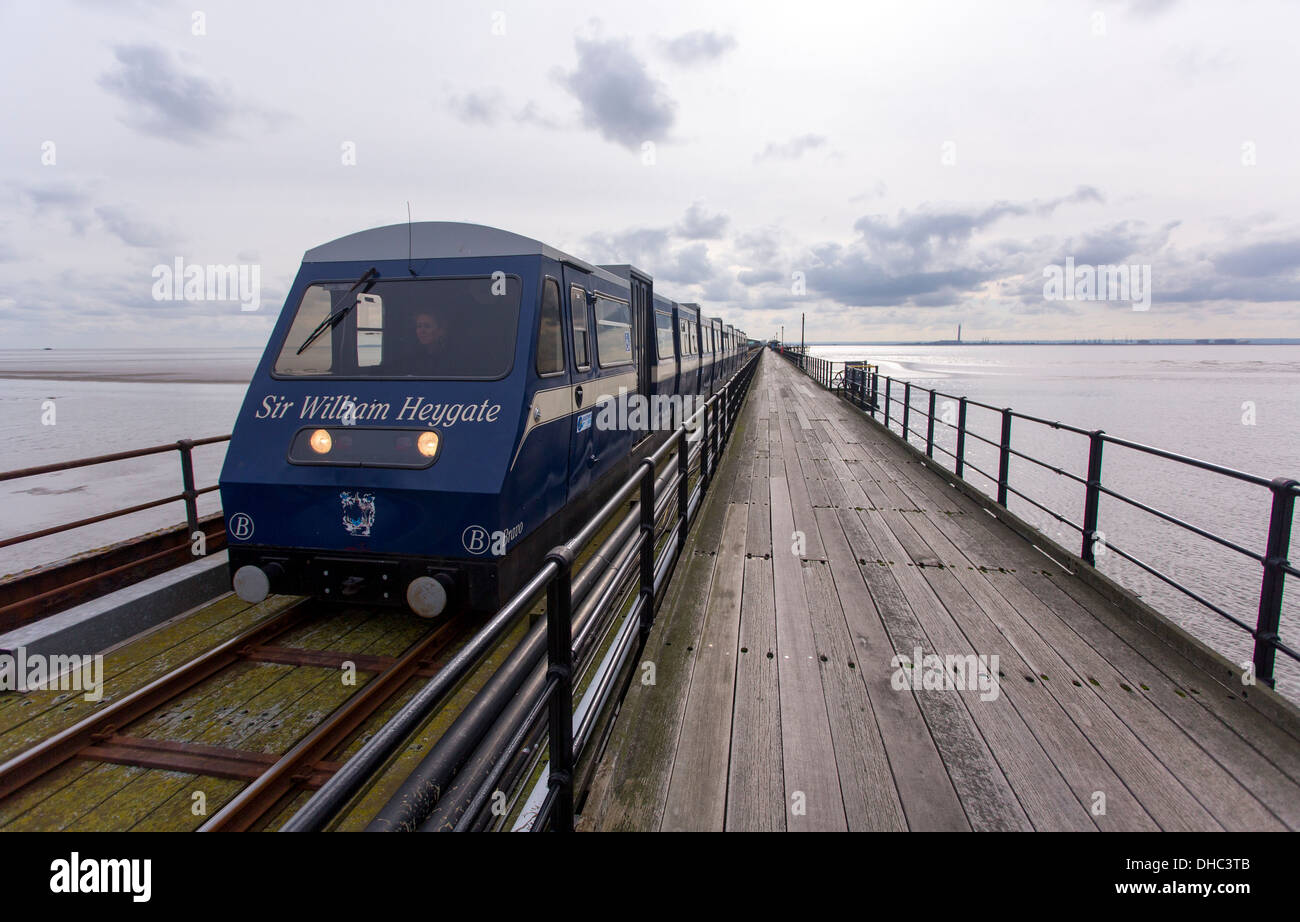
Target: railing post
889 386
683 487
929 430
1270 594
907 409
1004 457
717 426
875 393
705 476
559 651
960 460
186 448
1091 497
647 545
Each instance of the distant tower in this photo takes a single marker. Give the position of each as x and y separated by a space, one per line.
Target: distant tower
959 332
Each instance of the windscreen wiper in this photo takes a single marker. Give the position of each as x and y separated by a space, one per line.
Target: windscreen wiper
333 319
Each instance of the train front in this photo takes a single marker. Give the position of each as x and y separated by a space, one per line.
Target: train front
368 461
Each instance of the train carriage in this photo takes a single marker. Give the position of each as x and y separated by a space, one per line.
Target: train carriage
437 404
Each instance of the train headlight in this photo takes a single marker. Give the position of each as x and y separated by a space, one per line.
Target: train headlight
427 444
321 443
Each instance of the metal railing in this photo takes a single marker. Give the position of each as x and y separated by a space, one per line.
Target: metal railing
189 492
859 383
581 609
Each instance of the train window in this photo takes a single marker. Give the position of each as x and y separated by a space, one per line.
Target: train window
318 358
578 309
449 328
370 330
550 334
613 332
664 328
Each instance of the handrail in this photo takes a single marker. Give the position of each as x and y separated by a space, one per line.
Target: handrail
189 493
859 383
568 653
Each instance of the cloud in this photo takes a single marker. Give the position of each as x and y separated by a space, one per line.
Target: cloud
851 277
1197 62
792 149
760 246
132 231
166 103
58 200
913 238
531 114
697 225
688 266
642 247
617 96
758 276
1149 7
488 107
481 108
697 47
56 195
1123 241
1261 259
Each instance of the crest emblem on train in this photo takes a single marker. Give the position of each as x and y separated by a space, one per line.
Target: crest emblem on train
358 512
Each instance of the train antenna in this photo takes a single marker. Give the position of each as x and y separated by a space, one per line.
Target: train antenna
410 239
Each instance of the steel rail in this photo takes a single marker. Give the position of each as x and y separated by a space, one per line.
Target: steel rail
27 766
257 798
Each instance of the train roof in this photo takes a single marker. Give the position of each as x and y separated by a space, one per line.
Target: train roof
453 239
434 240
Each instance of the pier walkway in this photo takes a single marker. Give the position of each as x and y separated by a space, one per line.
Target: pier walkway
770 696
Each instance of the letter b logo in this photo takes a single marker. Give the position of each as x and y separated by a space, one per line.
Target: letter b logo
475 538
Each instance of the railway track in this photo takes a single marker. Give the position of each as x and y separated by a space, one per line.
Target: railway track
270 779
207 718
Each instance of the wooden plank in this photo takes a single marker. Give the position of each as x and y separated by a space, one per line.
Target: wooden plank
756 785
638 761
982 787
871 800
1216 792
925 790
812 788
1149 778
800 504
697 789
1163 681
957 627
1104 626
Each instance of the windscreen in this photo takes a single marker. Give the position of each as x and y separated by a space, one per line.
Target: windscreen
405 328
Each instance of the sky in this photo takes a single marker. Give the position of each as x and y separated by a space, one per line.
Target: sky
890 170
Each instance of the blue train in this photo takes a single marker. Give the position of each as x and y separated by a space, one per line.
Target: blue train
433 411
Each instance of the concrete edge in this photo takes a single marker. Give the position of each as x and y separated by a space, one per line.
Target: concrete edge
101 623
1218 667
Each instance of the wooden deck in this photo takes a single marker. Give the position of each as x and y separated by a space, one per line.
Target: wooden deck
774 703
